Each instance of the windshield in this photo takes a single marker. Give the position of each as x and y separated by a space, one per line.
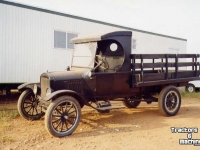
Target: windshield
84 55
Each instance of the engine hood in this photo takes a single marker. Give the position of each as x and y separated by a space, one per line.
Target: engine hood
63 75
71 80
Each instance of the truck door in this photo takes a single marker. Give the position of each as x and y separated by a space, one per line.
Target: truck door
121 83
104 84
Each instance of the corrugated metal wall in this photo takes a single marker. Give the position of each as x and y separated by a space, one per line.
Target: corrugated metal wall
147 43
27 42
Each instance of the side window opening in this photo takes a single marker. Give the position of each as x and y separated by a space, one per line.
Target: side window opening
59 39
62 39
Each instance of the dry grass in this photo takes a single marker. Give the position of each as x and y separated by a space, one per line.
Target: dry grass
190 95
6 114
5 118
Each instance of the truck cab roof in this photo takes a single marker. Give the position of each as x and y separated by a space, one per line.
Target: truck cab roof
99 37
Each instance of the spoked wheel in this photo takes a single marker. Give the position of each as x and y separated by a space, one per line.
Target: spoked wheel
62 116
169 101
28 105
130 103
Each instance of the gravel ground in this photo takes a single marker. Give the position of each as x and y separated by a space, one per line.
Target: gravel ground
140 128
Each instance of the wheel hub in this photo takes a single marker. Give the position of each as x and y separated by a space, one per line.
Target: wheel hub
34 104
64 116
190 89
171 99
171 102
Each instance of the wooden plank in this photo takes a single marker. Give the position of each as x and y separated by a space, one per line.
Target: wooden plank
148 56
149 77
148 65
184 64
160 64
187 55
153 76
160 82
159 56
186 74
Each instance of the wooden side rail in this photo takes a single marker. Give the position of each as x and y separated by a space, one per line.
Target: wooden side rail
160 69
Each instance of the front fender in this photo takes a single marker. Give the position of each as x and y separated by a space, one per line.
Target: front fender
74 94
28 86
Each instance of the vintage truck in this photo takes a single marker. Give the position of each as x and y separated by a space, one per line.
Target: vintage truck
103 70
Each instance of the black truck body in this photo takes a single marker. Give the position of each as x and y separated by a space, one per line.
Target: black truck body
106 71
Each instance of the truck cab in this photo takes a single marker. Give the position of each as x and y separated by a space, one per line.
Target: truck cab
100 68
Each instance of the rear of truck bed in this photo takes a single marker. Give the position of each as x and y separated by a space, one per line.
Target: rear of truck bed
158 69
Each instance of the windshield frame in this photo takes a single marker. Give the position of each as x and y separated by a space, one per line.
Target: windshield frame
81 61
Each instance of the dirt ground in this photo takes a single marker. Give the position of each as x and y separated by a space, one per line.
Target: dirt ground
121 129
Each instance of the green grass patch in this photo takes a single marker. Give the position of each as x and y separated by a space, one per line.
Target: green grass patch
5 116
190 95
6 113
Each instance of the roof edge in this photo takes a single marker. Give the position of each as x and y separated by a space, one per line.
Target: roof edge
85 19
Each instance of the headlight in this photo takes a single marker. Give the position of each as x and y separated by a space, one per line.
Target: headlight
35 89
90 74
48 91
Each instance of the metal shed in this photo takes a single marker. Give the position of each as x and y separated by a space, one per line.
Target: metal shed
34 40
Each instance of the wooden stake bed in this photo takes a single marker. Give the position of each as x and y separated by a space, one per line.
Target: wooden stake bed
157 69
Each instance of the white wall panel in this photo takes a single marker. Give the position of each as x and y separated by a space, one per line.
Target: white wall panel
27 42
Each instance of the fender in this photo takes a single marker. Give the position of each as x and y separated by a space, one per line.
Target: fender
28 86
74 94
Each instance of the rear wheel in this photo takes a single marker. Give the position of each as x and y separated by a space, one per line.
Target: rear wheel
62 116
169 101
28 105
130 103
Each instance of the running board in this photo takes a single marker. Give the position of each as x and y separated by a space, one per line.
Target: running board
110 107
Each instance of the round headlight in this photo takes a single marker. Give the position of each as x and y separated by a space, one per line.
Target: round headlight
35 89
90 74
48 91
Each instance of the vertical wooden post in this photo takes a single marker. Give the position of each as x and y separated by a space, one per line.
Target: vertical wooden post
196 66
193 65
176 66
142 73
166 66
153 63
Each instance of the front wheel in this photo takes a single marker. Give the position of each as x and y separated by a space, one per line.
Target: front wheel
62 116
169 101
28 105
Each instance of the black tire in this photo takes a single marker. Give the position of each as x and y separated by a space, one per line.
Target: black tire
62 116
131 103
190 88
169 101
28 106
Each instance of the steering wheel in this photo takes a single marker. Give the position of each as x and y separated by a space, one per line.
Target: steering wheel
101 62
117 67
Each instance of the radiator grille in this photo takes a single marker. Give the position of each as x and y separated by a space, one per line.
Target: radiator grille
45 84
